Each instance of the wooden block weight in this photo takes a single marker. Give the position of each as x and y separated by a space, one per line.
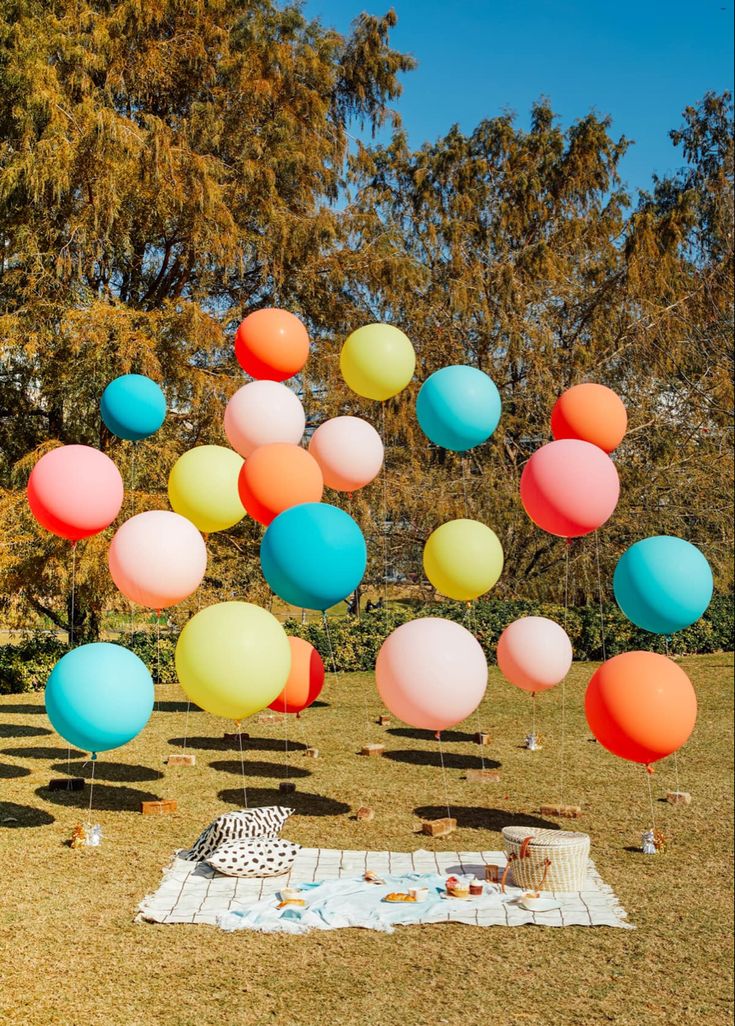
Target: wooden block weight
384 721
565 811
158 808
66 784
372 750
237 738
438 827
181 759
481 738
311 753
678 798
365 812
287 787
483 774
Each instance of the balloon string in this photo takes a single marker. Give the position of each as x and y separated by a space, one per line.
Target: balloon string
91 786
238 728
464 486
599 592
562 754
186 723
73 590
472 629
285 743
385 513
533 714
650 797
444 774
132 479
676 754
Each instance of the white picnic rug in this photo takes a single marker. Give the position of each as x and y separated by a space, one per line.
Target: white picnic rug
192 892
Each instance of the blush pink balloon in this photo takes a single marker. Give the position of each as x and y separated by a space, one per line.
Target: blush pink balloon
431 673
263 412
157 558
534 653
570 488
349 452
75 491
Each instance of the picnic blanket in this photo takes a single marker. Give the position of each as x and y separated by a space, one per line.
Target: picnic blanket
336 895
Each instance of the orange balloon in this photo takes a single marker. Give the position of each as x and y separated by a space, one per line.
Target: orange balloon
592 413
305 681
640 706
271 345
277 476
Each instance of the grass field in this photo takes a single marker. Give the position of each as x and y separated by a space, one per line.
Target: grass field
72 955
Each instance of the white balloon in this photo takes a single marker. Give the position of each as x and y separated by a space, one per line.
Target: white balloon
262 412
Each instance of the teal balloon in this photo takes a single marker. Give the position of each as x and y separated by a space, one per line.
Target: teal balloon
458 407
133 407
663 584
99 696
313 555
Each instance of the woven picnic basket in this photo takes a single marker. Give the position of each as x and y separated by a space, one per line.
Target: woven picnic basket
549 860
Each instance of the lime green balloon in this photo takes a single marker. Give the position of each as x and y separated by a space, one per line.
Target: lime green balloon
377 361
463 559
233 659
202 487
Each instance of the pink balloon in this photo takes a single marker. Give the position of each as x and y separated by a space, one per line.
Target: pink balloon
349 452
431 673
569 488
534 653
75 491
262 412
157 558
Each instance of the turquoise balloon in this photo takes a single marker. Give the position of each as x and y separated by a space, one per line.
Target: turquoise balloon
99 696
663 584
133 407
313 555
458 407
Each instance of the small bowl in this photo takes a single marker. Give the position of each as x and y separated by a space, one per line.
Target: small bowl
289 893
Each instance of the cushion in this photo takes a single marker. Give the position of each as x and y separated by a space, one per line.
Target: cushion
232 826
262 856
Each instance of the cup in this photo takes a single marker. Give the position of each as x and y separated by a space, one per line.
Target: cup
476 887
419 893
289 893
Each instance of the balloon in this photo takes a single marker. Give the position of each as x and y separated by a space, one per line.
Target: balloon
569 488
233 659
458 408
463 559
133 407
202 487
305 681
349 451
591 413
157 558
377 361
271 344
276 477
431 673
263 412
313 555
534 653
75 491
99 696
640 706
663 584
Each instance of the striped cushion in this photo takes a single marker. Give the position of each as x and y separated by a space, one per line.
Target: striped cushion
234 826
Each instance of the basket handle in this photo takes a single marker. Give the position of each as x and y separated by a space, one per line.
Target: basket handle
522 854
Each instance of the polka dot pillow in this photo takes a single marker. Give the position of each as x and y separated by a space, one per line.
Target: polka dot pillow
233 826
263 856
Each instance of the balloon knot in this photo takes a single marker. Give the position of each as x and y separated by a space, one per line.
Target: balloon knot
94 756
650 770
438 735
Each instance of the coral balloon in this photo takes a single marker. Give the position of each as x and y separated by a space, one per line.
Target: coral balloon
591 413
458 407
305 681
640 706
271 344
263 412
463 559
534 653
99 696
276 477
75 491
663 584
377 361
233 659
157 558
569 488
202 487
431 673
349 451
133 407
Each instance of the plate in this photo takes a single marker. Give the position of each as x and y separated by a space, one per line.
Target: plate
401 901
457 897
539 904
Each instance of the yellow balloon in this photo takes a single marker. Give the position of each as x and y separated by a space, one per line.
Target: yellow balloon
233 659
202 487
377 361
463 559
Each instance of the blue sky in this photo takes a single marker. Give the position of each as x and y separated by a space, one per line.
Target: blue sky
642 63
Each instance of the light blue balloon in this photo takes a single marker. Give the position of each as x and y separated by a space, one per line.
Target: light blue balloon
133 407
313 555
663 584
458 407
99 696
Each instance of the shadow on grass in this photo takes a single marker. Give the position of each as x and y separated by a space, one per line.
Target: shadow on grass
20 730
261 769
13 816
42 753
25 708
484 818
452 760
106 798
428 735
303 804
253 744
177 707
114 771
7 771
319 704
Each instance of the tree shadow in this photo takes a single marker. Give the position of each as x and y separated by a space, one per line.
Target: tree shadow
106 798
42 753
429 735
14 816
7 771
303 804
452 760
177 707
114 771
261 769
252 744
23 708
21 730
484 818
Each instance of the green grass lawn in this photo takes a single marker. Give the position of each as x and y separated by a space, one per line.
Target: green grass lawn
72 955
